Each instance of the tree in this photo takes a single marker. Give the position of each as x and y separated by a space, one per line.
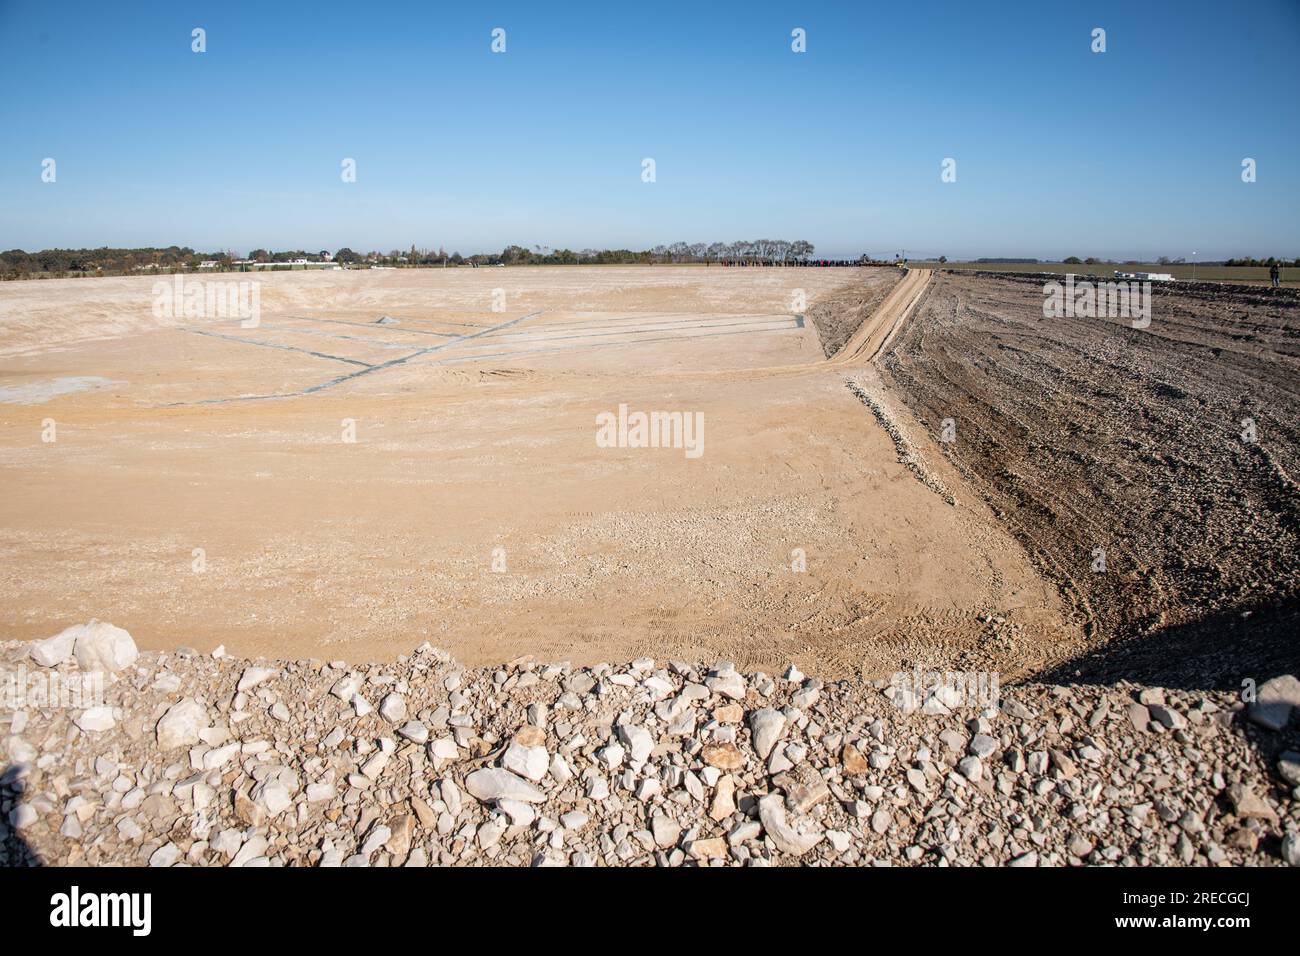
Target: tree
801 249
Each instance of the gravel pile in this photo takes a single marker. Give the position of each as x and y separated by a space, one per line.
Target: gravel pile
212 761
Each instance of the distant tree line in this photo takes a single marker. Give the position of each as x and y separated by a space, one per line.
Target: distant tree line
1180 261
61 262
775 251
766 251
1270 261
17 264
1094 261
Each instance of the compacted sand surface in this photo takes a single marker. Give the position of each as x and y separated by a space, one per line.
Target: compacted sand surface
326 484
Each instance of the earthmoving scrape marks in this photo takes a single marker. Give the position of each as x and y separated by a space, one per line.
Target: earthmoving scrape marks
368 347
338 340
418 354
403 328
576 331
264 343
272 336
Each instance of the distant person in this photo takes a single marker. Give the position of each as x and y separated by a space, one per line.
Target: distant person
1275 274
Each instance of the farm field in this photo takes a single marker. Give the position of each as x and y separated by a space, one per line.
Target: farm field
1181 271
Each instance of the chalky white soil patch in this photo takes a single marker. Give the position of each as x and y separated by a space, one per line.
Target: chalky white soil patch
38 393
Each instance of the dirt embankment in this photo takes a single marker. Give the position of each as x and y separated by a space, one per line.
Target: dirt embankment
838 315
1123 460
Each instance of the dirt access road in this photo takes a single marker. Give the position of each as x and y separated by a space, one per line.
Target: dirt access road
204 488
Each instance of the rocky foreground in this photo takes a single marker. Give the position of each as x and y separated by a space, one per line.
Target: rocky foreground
211 761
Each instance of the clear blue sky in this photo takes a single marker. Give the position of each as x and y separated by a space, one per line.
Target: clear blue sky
1133 152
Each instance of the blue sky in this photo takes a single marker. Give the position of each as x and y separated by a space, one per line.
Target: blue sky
1133 152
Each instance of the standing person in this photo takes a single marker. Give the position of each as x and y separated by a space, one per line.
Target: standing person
1273 274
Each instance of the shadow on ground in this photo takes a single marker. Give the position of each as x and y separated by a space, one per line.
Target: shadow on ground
1216 653
14 850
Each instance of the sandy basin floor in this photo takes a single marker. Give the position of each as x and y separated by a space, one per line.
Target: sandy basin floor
324 485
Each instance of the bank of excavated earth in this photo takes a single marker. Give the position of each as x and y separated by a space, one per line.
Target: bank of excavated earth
1148 472
213 761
